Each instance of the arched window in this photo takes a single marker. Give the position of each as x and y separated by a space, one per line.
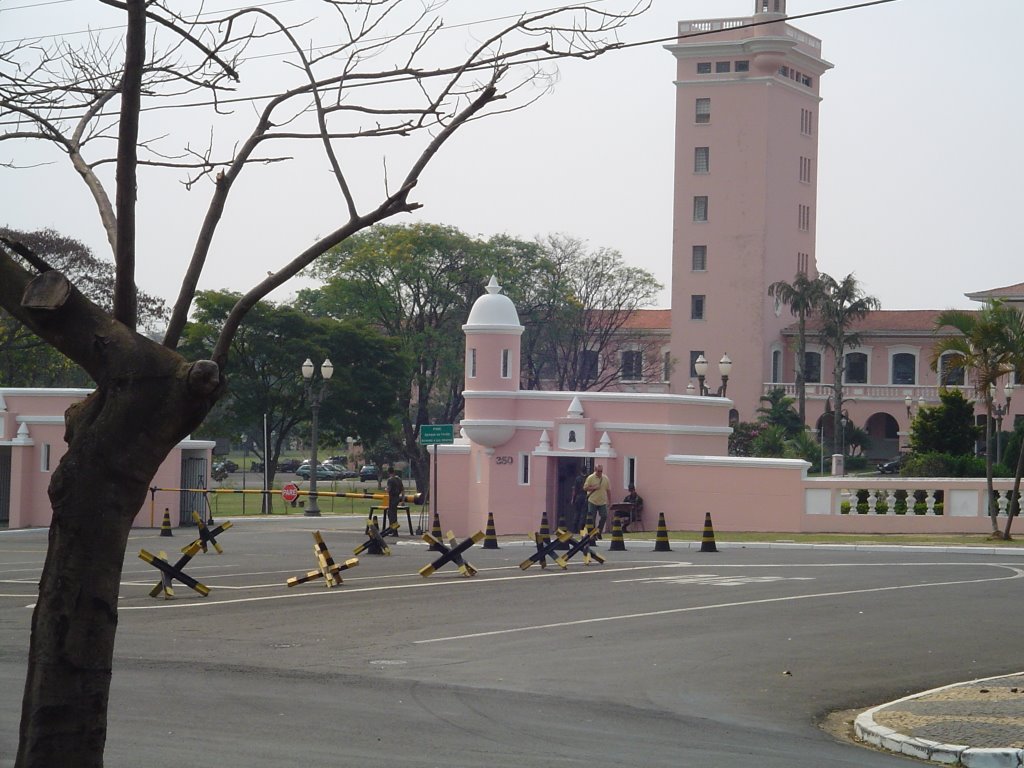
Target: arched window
904 368
856 368
950 373
812 367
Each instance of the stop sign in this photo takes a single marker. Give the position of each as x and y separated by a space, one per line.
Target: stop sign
290 492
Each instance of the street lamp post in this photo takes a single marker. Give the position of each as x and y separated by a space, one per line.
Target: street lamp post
245 467
315 397
700 365
1001 410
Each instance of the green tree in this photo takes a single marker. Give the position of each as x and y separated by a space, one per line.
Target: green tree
26 360
84 101
945 428
982 348
416 283
777 411
803 297
267 353
843 304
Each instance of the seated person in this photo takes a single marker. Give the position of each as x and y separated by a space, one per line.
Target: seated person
634 498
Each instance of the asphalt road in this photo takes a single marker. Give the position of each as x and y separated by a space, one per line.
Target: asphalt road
652 659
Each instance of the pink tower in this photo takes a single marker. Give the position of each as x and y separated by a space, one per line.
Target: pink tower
745 192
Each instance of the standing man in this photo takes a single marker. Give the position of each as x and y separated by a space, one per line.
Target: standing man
395 493
597 489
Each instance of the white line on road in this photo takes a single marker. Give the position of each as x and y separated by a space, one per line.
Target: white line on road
1017 573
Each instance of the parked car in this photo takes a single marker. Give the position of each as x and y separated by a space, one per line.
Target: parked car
891 467
368 472
220 470
324 471
289 465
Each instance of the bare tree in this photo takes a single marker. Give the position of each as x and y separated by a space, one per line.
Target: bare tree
580 324
86 103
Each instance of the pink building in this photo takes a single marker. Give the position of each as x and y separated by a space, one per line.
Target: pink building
747 101
32 444
745 189
744 217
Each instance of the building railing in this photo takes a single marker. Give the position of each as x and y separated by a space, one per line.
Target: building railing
711 25
879 392
909 497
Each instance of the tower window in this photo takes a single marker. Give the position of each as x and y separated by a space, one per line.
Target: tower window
504 363
700 258
701 159
703 67
806 122
743 65
694 354
721 67
702 111
700 208
697 307
804 218
472 362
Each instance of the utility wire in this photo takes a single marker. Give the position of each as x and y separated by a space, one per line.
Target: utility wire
411 77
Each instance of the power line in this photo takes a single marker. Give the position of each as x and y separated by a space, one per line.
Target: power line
411 77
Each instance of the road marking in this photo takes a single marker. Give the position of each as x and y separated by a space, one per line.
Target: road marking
342 591
1017 574
712 579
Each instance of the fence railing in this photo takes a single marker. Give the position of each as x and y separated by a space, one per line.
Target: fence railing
865 495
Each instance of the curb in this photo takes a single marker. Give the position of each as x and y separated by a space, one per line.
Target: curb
866 729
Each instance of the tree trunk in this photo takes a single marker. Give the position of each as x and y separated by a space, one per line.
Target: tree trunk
1015 495
117 439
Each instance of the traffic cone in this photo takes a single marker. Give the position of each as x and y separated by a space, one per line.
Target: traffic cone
165 526
707 540
436 532
618 543
661 538
490 535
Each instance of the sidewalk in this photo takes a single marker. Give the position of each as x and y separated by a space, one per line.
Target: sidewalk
976 724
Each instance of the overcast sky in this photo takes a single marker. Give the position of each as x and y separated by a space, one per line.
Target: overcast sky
919 172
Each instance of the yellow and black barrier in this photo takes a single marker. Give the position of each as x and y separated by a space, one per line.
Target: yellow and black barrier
545 546
329 570
408 498
170 572
587 539
375 544
435 533
207 536
452 553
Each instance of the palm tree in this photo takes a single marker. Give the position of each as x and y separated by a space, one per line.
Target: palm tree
843 304
984 347
777 411
803 297
1013 340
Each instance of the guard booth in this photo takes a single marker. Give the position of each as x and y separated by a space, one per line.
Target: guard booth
194 474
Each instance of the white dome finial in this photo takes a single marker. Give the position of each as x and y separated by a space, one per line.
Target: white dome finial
493 287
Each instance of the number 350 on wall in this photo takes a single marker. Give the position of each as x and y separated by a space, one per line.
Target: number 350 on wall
502 459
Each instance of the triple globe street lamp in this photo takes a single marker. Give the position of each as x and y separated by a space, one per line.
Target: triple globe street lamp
315 397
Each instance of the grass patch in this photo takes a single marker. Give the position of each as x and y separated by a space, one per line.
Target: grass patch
922 539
